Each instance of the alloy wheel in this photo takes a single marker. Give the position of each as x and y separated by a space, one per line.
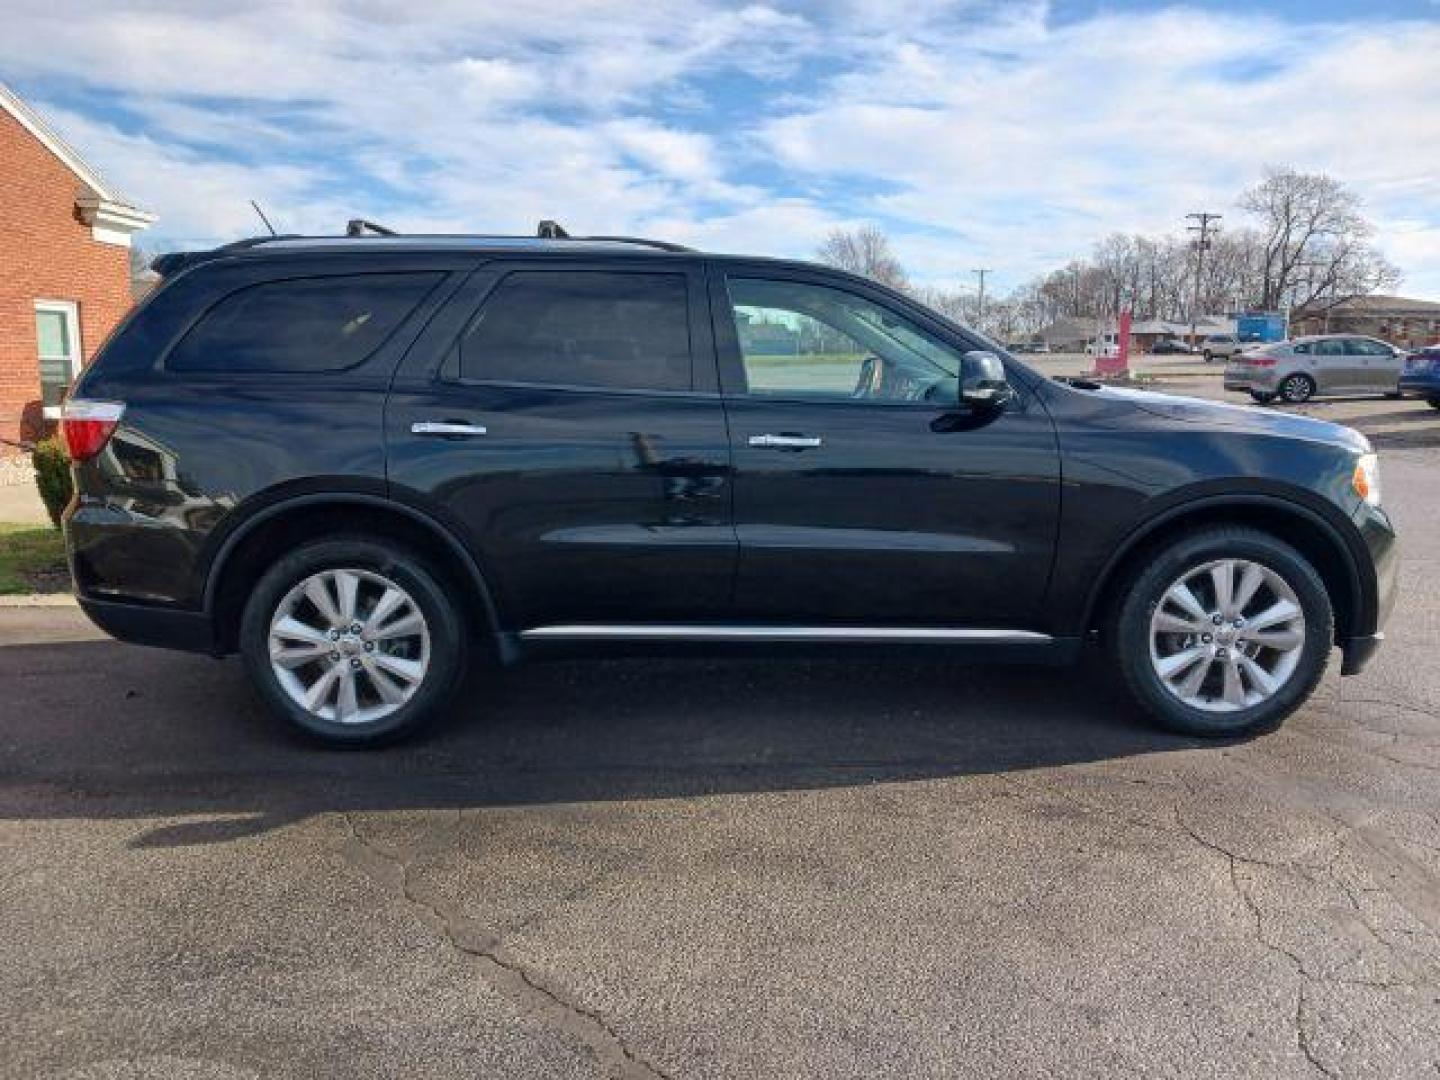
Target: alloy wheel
1296 388
1226 635
349 646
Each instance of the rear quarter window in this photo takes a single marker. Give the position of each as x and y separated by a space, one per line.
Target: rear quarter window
301 324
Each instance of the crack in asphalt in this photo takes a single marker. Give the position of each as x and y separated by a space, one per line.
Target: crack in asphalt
1302 1035
504 973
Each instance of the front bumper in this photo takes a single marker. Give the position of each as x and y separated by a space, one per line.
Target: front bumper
1377 599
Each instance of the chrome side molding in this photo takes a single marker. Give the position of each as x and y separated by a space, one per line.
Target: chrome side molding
921 635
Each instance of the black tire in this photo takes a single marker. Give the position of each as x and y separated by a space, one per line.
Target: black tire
448 642
1262 397
1297 388
1433 402
1208 357
1130 644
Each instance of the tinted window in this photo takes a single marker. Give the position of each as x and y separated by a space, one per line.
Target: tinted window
301 324
1303 347
1333 347
583 328
814 341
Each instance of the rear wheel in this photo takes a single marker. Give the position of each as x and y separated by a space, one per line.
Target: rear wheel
1223 633
353 641
1297 388
1208 356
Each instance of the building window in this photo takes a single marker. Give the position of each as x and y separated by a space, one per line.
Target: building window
57 334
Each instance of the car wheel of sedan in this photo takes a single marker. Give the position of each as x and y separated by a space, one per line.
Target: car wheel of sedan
1434 402
1223 633
1262 397
1297 388
1208 356
354 641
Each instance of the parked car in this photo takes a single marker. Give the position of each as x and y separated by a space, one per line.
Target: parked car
1420 376
1298 370
1224 346
1171 346
363 462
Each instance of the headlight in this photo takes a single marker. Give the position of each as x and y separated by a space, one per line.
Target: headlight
1366 479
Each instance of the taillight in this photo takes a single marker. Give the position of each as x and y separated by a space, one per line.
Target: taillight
88 425
1260 361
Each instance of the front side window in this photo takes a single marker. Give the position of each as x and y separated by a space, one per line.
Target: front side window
803 340
1332 347
1365 347
57 338
301 324
583 328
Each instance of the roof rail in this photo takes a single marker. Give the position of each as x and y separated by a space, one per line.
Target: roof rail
360 226
553 230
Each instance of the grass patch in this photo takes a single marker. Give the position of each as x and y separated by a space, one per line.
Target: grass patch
32 559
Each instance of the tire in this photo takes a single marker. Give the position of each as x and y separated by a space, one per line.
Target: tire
1208 357
400 680
1139 648
1433 402
1262 397
1297 388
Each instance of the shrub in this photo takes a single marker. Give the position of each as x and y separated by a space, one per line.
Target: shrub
52 475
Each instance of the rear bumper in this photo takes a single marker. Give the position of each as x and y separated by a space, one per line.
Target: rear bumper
1426 386
150 624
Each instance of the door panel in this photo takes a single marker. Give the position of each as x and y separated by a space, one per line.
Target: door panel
1336 371
582 503
874 508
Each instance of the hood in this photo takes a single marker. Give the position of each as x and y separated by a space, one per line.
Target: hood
1217 414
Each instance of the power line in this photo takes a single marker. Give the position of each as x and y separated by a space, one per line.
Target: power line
1202 245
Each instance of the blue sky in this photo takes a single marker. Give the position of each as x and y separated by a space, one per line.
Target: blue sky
977 133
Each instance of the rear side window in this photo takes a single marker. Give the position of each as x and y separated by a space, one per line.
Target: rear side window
301 324
583 328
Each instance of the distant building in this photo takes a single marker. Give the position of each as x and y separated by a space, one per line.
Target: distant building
1397 319
64 267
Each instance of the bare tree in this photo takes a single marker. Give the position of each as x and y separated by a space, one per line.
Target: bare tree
864 251
1315 242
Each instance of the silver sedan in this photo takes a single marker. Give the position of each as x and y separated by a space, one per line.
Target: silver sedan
1323 364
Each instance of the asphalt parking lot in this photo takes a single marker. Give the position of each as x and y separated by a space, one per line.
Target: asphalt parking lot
728 868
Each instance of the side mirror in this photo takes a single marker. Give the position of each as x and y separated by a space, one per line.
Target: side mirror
983 386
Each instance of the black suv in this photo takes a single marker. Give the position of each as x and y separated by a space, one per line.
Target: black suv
365 463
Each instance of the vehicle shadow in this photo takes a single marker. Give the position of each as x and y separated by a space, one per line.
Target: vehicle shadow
103 730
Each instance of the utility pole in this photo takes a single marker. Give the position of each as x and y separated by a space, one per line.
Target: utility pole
1202 245
980 316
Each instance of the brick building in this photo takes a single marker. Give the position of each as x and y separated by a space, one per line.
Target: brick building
64 267
1400 320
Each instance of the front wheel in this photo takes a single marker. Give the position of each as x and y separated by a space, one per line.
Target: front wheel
353 640
1223 633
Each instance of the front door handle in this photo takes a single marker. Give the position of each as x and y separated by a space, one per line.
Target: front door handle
786 442
445 427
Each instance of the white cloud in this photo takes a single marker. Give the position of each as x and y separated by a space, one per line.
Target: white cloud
978 133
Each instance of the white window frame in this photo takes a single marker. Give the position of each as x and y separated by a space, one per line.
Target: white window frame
71 311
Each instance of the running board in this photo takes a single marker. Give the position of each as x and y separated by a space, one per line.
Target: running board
918 635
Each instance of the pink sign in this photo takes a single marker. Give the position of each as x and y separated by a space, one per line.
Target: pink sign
1119 363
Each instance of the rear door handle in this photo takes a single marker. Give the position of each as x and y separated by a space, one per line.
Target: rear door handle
786 442
445 427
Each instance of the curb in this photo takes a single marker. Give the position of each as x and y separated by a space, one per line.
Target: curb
38 600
